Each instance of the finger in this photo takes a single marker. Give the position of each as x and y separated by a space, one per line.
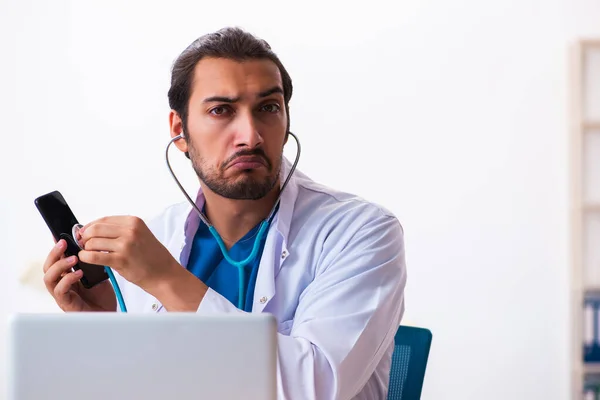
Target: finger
103 244
121 220
65 284
96 258
56 270
114 220
101 230
55 254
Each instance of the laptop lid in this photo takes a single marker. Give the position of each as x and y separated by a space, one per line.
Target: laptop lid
142 356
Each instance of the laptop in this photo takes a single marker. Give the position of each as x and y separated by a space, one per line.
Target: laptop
95 356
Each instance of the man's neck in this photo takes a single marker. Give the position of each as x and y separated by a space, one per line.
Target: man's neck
233 219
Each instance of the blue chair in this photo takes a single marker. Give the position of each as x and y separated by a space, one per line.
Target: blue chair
409 361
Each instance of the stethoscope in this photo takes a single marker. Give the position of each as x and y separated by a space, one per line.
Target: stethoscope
240 264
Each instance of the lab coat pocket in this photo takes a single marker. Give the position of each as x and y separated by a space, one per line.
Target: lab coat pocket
285 327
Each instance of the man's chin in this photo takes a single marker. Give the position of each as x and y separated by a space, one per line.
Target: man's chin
248 177
245 187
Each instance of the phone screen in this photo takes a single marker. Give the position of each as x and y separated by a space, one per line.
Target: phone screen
57 213
60 220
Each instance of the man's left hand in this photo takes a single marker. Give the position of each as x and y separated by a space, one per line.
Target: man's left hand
127 245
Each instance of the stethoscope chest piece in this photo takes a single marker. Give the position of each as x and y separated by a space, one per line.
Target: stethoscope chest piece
75 234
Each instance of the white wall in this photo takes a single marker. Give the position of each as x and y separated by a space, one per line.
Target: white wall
453 114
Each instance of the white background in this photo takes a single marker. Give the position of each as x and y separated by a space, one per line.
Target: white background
453 114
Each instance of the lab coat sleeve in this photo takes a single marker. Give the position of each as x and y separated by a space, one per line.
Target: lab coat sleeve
346 317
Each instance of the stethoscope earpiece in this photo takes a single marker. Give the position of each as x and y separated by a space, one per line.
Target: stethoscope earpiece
182 136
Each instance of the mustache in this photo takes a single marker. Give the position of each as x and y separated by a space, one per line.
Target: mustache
255 152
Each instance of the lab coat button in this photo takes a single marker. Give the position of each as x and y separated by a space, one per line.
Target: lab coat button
263 300
284 254
154 307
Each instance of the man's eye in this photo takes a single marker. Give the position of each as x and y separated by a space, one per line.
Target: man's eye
219 110
270 108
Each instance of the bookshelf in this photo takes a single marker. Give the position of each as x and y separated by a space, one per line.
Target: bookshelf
585 207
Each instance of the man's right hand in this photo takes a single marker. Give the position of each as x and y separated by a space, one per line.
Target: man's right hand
67 290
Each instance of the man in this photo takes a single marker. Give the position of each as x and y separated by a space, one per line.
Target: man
330 268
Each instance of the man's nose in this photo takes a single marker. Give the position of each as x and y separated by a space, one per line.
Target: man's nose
247 133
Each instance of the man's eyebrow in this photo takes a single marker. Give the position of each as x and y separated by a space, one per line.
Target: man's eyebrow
225 99
220 99
268 92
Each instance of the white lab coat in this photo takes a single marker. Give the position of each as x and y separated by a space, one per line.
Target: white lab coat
332 273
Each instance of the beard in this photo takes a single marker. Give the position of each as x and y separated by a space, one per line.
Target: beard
244 186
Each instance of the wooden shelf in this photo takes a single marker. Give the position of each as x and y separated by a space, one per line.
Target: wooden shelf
590 43
593 207
582 210
591 126
591 368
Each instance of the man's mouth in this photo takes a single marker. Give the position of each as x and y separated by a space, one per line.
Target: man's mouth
248 162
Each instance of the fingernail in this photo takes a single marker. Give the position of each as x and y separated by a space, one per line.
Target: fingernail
59 244
79 272
71 259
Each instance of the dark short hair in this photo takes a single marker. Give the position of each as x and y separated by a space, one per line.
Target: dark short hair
231 43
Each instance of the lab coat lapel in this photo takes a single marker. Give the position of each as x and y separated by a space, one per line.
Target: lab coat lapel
275 251
265 279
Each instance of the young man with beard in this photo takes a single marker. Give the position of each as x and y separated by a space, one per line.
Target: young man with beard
330 266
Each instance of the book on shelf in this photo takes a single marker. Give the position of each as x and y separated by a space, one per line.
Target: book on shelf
591 387
591 337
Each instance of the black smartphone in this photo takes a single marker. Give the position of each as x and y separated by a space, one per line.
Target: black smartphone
60 219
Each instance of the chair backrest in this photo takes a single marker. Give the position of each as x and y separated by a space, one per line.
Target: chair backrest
409 361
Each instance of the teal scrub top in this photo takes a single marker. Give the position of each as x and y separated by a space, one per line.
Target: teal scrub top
208 264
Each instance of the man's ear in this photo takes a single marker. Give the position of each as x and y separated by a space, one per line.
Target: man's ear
176 128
